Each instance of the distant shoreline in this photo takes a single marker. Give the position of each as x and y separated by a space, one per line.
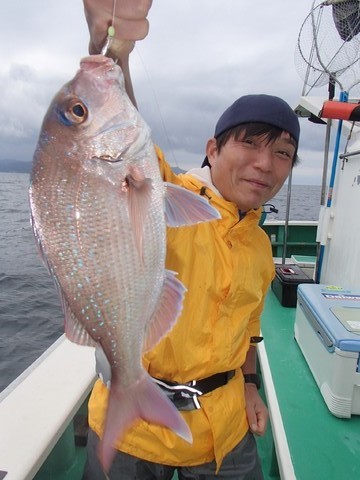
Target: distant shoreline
14 166
19 166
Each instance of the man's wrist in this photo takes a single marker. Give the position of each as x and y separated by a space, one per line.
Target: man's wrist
253 378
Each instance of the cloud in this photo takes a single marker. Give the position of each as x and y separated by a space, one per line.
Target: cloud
26 94
197 59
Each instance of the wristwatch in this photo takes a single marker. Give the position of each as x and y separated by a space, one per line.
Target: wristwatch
253 378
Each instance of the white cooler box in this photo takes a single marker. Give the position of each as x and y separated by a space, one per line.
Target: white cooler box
327 329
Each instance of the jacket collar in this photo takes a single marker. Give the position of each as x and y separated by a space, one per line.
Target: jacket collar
204 176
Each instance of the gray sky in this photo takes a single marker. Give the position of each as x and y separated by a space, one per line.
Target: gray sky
199 56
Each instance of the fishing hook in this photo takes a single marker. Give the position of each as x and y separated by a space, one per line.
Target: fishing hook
110 33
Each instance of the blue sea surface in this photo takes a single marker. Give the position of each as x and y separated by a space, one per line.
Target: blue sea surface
30 314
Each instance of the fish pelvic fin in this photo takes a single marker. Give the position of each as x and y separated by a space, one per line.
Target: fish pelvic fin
183 207
139 189
167 310
143 400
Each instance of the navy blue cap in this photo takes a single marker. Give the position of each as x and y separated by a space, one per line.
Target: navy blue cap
259 109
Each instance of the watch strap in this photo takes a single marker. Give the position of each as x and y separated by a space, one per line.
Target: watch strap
253 378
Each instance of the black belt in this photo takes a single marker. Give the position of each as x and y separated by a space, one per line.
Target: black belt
185 396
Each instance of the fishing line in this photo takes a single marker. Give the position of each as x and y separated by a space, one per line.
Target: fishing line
157 107
109 38
113 14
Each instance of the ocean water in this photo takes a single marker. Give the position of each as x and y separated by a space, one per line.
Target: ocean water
30 315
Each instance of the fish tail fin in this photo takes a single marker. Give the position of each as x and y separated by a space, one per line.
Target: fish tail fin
143 400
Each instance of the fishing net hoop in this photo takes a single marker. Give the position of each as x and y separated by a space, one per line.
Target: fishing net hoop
328 45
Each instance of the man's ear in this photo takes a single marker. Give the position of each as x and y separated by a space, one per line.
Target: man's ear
211 150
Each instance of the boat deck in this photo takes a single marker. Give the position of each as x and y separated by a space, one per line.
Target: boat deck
321 445
304 440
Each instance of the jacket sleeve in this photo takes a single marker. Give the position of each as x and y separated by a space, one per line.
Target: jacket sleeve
166 172
254 322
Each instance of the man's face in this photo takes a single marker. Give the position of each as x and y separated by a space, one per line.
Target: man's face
250 171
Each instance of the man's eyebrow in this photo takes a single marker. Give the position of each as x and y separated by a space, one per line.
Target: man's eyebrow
289 140
292 142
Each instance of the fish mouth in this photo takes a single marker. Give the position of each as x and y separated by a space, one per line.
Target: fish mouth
99 66
97 62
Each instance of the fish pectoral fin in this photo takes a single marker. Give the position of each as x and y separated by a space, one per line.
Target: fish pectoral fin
139 196
167 310
145 400
74 330
183 207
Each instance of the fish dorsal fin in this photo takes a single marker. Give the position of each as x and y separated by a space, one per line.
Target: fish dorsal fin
139 196
167 310
183 207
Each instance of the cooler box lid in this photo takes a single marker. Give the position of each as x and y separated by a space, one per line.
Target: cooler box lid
334 312
291 274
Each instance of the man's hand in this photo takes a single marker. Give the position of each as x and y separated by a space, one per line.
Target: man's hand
130 24
256 411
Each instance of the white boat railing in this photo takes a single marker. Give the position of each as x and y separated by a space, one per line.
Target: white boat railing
38 406
294 223
282 450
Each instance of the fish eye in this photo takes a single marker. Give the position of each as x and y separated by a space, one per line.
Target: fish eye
78 110
75 112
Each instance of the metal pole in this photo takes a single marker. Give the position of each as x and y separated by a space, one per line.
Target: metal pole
343 98
286 227
331 90
319 249
326 163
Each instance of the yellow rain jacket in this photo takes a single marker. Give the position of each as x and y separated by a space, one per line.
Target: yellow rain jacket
226 266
